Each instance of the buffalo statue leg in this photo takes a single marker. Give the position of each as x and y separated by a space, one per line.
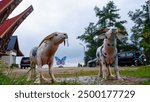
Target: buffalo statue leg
39 77
100 70
51 73
110 75
104 71
116 69
32 72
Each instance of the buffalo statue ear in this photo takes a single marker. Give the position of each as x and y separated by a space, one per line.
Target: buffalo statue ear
120 30
120 36
102 36
106 29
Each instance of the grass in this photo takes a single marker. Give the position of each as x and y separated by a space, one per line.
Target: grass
140 72
132 71
146 82
143 72
6 80
2 65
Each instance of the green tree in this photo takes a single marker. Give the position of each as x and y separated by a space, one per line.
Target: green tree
141 29
87 37
108 17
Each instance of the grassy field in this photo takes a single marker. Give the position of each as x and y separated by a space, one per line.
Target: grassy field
141 72
137 72
5 78
18 76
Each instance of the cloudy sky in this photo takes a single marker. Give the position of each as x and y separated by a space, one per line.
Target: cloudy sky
70 16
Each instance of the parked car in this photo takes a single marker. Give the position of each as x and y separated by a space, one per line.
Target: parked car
92 63
25 62
130 58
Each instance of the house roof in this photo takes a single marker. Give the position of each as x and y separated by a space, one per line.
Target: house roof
6 7
10 25
14 45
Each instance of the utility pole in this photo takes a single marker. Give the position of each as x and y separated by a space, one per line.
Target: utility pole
84 52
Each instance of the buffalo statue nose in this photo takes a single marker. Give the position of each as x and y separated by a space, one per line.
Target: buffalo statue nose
65 35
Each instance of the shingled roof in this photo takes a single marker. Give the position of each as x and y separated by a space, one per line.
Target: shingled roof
14 45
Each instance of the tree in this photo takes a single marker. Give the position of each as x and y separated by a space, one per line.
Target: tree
108 17
87 37
141 29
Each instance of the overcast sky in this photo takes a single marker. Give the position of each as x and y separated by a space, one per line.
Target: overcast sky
70 16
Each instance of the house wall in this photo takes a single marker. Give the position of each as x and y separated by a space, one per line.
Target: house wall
10 58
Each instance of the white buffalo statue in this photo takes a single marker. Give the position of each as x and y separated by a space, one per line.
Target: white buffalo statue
44 54
107 53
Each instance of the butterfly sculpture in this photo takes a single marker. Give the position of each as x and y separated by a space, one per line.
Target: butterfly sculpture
60 61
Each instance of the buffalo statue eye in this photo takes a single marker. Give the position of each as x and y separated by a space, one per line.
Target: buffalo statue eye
56 34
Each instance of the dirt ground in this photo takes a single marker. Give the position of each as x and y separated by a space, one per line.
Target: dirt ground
87 80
